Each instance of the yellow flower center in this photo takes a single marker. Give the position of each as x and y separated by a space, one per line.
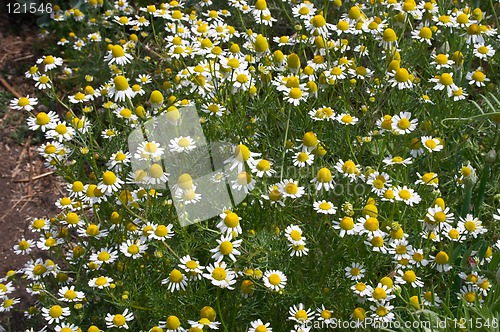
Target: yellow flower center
108 178
274 279
133 249
442 257
61 129
325 206
291 188
42 119
405 194
243 178
389 35
371 224
261 44
409 276
355 271
470 225
446 79
426 33
470 297
346 118
117 51
226 247
49 59
377 241
482 49
161 231
263 165
70 294
302 157
379 293
55 311
318 21
121 83
103 256
349 167
93 230
23 101
185 181
219 273
324 175
119 320
175 276
295 93
478 76
431 144
402 75
173 323
241 153
381 311
462 18
156 97
347 223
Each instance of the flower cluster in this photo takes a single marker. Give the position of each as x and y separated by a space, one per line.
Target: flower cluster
358 194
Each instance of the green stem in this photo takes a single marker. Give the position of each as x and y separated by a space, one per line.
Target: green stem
284 144
482 188
220 312
467 200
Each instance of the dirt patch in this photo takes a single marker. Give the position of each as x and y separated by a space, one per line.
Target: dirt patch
27 189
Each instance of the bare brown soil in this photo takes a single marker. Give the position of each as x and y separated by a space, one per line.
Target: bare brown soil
23 195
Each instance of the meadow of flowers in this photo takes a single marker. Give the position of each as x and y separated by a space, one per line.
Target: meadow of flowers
363 134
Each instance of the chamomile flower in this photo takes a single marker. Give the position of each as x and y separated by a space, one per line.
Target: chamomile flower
298 250
407 195
382 312
400 249
323 179
290 188
293 234
402 123
69 294
381 294
409 277
431 144
303 158
355 272
243 181
133 248
149 151
100 282
368 225
162 232
346 119
440 261
417 258
192 267
430 298
119 320
50 62
477 78
118 160
322 114
55 314
295 95
348 169
361 289
226 248
428 179
60 131
441 61
176 281
400 78
104 256
110 183
424 34
118 55
471 226
275 280
220 275
396 160
120 89
262 167
23 247
259 326
379 182
230 223
324 207
483 52
346 225
301 314
24 103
